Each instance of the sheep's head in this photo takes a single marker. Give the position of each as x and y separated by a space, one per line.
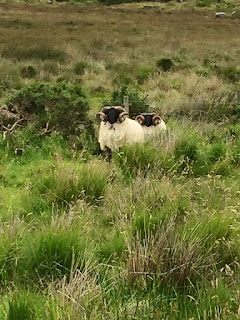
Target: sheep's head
113 114
148 119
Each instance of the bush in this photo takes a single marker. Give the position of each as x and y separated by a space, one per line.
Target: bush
28 72
204 3
81 67
137 104
231 74
36 53
143 74
61 107
164 64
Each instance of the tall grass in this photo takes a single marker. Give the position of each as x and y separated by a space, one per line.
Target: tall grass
155 233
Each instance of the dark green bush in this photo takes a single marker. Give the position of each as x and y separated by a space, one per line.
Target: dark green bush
61 107
231 73
137 103
143 74
81 67
165 64
35 53
204 3
28 72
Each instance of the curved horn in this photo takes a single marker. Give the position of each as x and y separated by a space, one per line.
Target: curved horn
120 108
105 108
102 116
140 119
156 119
122 116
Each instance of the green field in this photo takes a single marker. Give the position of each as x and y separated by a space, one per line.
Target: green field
155 233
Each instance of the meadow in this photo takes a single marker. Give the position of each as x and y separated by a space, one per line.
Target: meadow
155 233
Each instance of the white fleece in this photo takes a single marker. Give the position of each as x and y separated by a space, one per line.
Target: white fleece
114 136
153 131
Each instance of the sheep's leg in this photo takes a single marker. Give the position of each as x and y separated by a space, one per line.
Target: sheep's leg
109 153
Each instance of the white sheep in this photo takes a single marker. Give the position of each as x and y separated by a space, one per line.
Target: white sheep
152 124
117 129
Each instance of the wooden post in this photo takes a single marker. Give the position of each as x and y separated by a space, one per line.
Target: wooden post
126 103
238 97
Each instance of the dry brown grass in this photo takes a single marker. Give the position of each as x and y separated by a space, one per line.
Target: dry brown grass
117 42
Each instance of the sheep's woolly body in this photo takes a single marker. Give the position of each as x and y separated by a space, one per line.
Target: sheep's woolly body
115 135
153 131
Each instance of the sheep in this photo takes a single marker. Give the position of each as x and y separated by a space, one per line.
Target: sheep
151 123
117 129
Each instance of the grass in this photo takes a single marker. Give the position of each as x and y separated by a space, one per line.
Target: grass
155 233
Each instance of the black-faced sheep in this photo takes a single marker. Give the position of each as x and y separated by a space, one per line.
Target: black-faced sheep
117 129
151 123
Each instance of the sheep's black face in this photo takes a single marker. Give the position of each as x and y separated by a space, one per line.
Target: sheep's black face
148 120
112 115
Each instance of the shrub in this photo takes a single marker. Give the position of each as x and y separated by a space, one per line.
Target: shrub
164 64
35 53
143 74
231 73
28 72
61 107
52 253
81 67
137 104
204 3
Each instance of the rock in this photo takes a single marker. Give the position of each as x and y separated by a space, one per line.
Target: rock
7 117
235 14
150 6
49 2
220 14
